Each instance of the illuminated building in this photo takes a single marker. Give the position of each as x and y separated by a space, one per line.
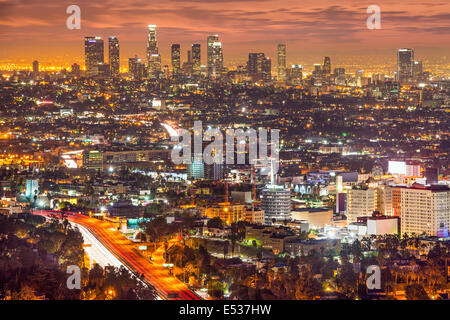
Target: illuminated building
425 209
35 67
136 68
214 55
93 53
176 59
296 74
93 160
196 169
326 69
32 189
114 57
196 58
417 70
405 63
360 203
358 78
259 67
153 57
227 212
282 62
276 203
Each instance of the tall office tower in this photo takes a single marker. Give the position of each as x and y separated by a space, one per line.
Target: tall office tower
136 68
93 53
296 74
360 203
405 62
196 58
317 72
358 78
214 55
276 203
266 69
425 209
326 69
176 64
35 68
259 66
282 62
114 59
417 70
153 57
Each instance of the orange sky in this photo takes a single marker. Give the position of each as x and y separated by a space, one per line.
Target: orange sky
31 29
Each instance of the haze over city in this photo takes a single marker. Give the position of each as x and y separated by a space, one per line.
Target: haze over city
37 30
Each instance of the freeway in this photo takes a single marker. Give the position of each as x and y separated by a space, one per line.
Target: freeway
96 251
126 251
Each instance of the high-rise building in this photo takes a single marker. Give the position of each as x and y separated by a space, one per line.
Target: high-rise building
358 78
276 203
425 209
326 68
35 67
196 169
176 63
360 203
296 74
259 66
196 58
214 55
136 68
417 70
93 53
282 62
114 57
153 57
405 62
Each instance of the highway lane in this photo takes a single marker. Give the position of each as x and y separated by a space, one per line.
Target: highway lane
126 251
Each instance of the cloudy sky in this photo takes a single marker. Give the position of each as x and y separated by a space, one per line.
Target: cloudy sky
31 29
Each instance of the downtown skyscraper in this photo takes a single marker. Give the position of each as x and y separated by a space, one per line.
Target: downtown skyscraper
214 55
153 57
176 63
405 65
93 53
114 56
196 58
326 68
259 67
282 62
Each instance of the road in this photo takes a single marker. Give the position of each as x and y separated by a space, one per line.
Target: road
126 251
96 251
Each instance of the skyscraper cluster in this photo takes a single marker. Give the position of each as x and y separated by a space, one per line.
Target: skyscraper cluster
94 56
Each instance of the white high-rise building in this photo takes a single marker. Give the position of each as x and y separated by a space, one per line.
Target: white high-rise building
360 203
425 209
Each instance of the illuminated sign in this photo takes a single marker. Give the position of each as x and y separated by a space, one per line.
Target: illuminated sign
397 167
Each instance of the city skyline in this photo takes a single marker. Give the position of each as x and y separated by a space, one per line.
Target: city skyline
309 32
